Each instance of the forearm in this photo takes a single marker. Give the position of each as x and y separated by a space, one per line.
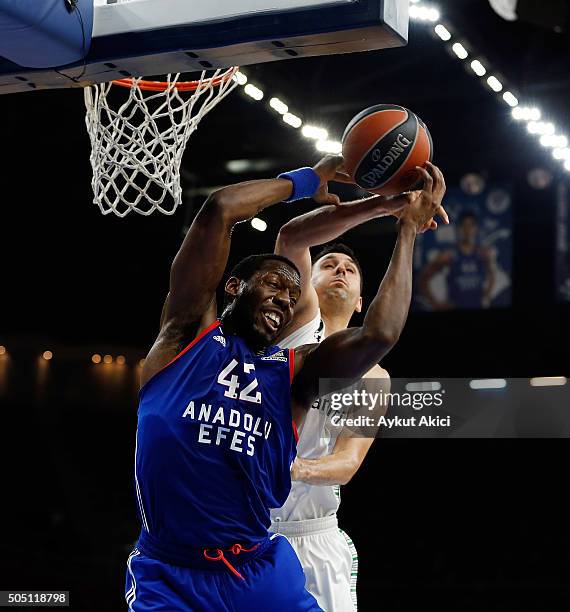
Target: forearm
388 312
328 222
350 353
200 263
245 200
334 469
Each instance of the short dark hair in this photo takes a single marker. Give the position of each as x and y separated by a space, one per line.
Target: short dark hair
339 247
248 266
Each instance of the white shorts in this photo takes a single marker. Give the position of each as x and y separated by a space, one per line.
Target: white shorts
328 558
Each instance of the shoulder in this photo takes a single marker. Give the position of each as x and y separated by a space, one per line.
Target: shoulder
173 339
299 333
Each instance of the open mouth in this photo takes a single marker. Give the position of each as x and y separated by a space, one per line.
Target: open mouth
273 320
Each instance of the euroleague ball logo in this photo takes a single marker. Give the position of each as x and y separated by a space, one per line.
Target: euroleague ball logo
385 160
382 146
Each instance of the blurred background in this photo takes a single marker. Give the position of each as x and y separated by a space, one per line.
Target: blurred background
458 524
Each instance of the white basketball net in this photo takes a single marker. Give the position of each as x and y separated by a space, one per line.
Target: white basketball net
137 149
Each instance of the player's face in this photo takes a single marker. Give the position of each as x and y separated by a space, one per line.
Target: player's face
468 230
337 275
271 295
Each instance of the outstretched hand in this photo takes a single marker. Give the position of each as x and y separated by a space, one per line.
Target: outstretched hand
423 205
330 168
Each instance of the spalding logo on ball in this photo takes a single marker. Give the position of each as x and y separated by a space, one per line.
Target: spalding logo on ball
381 147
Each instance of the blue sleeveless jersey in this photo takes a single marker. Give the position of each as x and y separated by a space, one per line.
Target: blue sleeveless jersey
466 279
215 443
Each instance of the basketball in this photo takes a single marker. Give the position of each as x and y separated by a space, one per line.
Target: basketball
381 147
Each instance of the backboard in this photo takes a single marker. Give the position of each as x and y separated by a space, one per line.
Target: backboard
151 37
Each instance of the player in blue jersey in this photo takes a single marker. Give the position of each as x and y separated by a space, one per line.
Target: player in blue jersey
215 437
470 270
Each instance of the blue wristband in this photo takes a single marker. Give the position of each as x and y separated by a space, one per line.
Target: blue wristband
305 183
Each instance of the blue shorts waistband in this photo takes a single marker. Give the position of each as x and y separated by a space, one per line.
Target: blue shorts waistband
192 557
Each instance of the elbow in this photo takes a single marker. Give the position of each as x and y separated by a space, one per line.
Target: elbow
382 340
222 205
346 478
287 238
348 473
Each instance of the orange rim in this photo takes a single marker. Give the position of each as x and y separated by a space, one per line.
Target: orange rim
180 85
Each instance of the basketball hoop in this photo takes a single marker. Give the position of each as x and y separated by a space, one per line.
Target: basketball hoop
137 149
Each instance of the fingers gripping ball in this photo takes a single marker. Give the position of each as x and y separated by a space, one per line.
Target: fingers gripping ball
381 147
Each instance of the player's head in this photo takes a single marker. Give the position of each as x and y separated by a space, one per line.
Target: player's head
260 296
337 279
467 227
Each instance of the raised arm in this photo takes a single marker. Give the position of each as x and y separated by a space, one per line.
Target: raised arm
318 227
351 353
199 265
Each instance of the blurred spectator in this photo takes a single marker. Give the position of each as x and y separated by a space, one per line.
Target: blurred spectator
470 270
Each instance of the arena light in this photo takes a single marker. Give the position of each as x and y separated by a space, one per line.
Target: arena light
421 12
278 105
253 92
423 386
561 153
459 50
2 350
107 359
548 381
488 383
541 128
554 141
240 78
47 355
329 146
478 68
524 113
510 99
442 32
311 131
424 13
259 224
495 84
292 120
534 114
141 363
121 360
433 14
96 358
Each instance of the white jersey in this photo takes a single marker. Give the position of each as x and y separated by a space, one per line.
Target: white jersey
307 501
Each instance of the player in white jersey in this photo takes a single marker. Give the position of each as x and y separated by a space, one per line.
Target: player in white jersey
331 294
